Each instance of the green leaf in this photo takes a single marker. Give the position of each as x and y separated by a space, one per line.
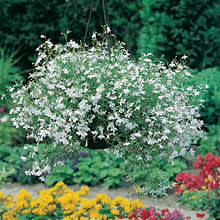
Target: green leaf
114 172
103 174
51 179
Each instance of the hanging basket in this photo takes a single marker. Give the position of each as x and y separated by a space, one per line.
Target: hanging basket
99 96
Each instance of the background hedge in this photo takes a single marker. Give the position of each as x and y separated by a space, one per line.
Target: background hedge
163 27
176 27
23 21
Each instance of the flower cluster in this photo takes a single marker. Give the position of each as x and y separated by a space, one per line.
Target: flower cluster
153 214
209 176
80 97
59 202
197 189
63 203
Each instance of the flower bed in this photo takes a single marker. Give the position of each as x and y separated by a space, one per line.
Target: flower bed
59 202
200 191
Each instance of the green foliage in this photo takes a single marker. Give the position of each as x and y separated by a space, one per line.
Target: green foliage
210 113
60 173
214 202
23 22
90 170
11 136
106 210
172 169
211 142
159 176
197 200
173 28
93 171
9 72
4 174
10 161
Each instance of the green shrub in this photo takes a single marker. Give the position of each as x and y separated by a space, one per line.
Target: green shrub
10 160
214 202
9 73
173 28
210 113
93 171
211 142
60 173
4 174
161 173
88 168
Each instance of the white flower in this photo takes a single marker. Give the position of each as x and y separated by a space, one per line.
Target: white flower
94 35
23 158
184 57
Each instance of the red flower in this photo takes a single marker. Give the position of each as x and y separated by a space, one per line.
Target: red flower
145 214
121 217
2 109
164 210
133 216
200 215
198 162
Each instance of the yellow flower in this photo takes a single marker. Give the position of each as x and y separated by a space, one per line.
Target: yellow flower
93 213
115 211
210 178
68 201
25 211
137 204
186 191
182 186
103 198
84 218
204 187
2 195
84 190
9 215
193 197
138 189
9 201
23 200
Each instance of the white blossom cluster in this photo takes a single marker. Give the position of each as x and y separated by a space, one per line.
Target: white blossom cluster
78 94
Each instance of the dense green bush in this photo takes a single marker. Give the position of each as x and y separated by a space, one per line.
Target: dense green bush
214 211
89 168
172 28
11 163
210 113
9 72
210 143
23 22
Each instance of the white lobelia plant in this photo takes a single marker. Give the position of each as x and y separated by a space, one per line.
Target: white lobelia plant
79 96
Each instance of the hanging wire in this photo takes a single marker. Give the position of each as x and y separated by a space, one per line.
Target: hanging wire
103 8
106 28
87 26
106 25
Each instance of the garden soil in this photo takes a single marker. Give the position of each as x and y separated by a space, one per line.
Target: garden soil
127 191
